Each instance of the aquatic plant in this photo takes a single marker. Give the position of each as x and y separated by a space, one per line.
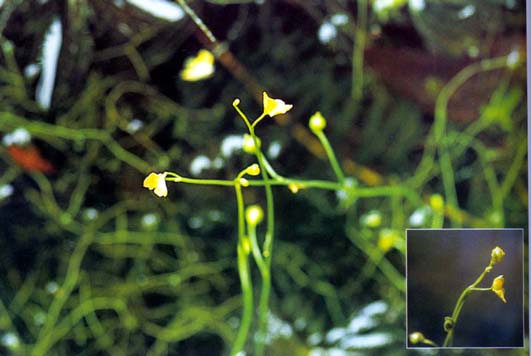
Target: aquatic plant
94 263
450 322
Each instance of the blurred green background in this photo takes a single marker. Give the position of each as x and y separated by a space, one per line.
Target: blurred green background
91 101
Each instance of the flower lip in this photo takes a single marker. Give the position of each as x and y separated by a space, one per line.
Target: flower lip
157 183
497 287
274 107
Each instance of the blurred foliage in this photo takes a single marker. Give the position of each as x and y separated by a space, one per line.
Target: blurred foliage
92 263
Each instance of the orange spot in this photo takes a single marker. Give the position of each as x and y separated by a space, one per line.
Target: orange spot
30 159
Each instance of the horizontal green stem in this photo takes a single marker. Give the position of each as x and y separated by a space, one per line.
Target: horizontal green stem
366 192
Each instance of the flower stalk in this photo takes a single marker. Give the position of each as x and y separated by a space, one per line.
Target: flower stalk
497 255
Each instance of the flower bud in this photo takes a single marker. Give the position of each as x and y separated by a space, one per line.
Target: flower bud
253 170
496 256
254 215
246 245
317 122
244 182
248 144
437 203
387 240
416 337
294 187
371 219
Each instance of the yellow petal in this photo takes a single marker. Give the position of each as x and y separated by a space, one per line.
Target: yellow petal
199 67
274 107
151 181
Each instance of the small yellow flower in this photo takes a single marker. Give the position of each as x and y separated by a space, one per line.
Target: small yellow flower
317 122
199 67
496 255
254 215
157 183
274 107
497 287
416 337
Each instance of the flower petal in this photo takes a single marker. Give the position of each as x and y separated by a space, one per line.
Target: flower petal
274 107
151 181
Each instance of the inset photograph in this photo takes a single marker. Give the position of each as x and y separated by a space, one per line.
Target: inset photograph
465 288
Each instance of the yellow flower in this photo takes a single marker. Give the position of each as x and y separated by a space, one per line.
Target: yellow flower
157 182
497 287
274 107
496 256
199 67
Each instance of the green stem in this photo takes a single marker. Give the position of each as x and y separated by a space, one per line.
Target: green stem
245 279
363 192
331 156
357 54
437 134
429 342
198 21
267 248
514 169
44 340
264 268
460 302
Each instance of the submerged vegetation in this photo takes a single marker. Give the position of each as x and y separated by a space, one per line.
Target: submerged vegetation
394 114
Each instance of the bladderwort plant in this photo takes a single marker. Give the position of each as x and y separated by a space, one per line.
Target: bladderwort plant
496 256
249 218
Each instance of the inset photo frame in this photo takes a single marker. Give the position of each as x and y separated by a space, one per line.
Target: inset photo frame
465 288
